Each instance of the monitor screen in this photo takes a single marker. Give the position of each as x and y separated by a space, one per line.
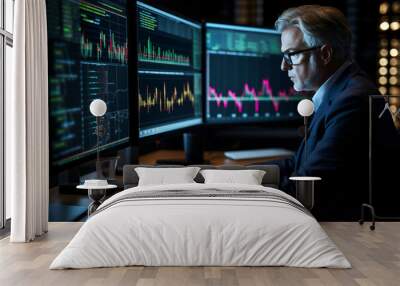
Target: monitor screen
88 53
243 77
169 71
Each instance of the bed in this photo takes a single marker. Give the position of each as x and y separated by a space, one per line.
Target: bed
197 224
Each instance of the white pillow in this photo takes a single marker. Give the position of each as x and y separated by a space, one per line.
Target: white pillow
164 176
248 177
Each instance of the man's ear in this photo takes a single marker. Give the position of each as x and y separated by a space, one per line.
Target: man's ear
326 54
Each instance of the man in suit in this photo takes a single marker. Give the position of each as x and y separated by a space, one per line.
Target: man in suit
316 43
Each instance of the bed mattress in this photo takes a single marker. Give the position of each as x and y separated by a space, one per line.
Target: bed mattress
201 225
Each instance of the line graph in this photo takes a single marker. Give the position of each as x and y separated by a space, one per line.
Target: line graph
159 98
166 98
249 94
244 87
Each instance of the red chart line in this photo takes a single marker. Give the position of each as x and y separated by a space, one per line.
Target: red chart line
250 92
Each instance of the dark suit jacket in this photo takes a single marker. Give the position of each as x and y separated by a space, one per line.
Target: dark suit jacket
337 147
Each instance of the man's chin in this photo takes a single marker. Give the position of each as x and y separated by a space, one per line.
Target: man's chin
298 88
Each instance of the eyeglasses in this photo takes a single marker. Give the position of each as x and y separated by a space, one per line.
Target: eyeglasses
293 58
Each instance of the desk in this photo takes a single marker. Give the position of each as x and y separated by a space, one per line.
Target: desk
214 157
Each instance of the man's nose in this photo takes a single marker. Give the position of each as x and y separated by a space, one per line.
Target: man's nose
284 65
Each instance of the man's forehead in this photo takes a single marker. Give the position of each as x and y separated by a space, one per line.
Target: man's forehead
291 38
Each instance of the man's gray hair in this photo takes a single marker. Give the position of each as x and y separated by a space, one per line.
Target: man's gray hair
320 25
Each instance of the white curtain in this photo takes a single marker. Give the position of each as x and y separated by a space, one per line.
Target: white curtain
27 152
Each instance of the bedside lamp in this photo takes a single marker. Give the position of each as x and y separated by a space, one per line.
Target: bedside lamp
305 108
305 184
98 108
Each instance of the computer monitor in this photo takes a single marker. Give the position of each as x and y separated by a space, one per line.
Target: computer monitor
243 77
169 71
88 52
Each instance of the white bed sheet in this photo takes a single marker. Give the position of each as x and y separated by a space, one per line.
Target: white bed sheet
202 232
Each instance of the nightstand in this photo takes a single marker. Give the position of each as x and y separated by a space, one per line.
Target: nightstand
305 190
96 194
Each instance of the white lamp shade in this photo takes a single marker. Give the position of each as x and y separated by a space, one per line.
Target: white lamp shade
305 107
98 107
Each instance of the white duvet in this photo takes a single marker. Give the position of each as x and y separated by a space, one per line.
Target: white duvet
200 231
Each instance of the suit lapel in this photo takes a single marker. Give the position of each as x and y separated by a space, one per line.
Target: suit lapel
330 95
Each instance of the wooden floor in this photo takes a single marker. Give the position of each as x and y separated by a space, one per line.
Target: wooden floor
375 257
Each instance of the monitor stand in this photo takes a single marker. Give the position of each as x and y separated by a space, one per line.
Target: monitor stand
193 147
